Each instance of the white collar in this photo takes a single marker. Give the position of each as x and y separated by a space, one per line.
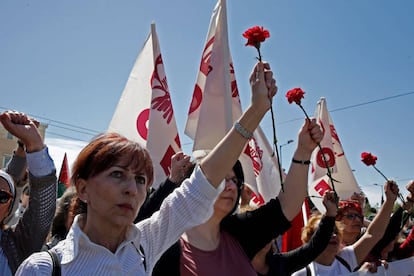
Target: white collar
76 237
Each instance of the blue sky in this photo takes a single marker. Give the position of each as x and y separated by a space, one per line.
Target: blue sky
66 63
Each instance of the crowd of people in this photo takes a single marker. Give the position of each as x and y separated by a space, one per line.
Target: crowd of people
197 222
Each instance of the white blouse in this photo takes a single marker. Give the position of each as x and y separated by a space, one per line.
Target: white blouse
189 205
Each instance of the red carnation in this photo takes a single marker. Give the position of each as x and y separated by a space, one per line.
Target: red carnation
255 35
368 158
295 95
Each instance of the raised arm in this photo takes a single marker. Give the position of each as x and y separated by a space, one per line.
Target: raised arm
17 165
181 167
31 230
376 228
297 178
302 256
222 158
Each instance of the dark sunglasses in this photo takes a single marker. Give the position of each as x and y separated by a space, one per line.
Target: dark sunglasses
353 216
5 196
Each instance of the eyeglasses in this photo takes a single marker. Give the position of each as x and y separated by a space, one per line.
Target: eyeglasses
353 216
5 196
235 180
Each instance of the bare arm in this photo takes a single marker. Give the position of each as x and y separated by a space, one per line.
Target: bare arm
377 227
222 158
297 178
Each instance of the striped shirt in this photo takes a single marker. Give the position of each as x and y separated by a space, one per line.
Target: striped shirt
189 205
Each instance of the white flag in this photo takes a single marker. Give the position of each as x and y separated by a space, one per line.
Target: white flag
145 112
210 115
345 184
260 168
216 106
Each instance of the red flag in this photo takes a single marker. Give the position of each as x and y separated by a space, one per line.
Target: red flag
292 238
145 112
63 181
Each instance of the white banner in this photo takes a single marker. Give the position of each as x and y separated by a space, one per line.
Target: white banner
216 106
403 267
334 154
145 112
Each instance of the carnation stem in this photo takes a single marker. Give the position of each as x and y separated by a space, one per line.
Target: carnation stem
386 179
274 130
275 147
258 51
400 196
323 156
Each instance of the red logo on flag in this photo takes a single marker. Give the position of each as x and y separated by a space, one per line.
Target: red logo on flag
163 102
142 122
205 68
234 89
255 153
321 187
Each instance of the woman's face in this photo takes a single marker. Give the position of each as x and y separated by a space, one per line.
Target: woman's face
5 197
352 221
115 195
334 243
227 199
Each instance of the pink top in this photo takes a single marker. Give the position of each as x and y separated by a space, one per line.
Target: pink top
227 259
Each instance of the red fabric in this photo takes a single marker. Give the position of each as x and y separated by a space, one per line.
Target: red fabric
292 238
64 172
406 249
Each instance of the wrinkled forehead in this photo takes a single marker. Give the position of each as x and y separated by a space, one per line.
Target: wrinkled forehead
230 174
131 163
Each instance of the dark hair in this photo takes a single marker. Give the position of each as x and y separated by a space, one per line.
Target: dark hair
238 171
26 190
103 152
59 228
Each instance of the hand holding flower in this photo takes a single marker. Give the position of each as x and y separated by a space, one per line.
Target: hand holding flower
410 187
391 190
310 135
263 85
330 202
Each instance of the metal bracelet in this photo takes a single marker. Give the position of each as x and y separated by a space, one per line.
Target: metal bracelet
244 132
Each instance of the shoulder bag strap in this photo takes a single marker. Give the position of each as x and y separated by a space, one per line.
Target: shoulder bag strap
308 271
344 263
141 249
141 252
55 261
